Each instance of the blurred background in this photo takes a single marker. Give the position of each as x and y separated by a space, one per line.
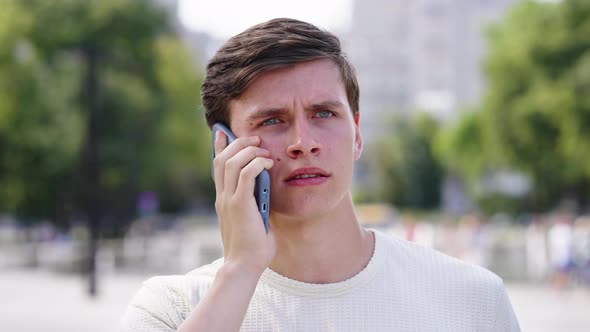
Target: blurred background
475 116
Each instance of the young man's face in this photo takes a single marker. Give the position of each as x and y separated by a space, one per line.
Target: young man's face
302 115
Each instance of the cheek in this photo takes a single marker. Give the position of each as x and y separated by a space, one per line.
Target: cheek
344 145
270 144
275 154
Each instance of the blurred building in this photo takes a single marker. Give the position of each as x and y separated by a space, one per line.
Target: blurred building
171 6
202 45
419 54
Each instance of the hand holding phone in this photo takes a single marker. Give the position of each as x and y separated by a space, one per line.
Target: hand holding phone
262 183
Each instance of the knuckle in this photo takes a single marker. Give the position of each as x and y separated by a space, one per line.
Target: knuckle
217 162
220 206
253 151
241 141
231 163
235 200
247 141
245 173
249 148
252 169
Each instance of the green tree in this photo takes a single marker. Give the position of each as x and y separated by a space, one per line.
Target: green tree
180 165
111 67
537 110
40 127
535 116
465 155
97 103
459 147
409 175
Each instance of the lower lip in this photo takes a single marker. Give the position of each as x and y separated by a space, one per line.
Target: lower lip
308 181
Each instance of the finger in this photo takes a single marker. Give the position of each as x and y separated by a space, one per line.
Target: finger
218 174
239 144
223 152
249 173
234 166
220 142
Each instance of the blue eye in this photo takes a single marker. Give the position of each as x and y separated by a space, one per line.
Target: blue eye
270 122
325 114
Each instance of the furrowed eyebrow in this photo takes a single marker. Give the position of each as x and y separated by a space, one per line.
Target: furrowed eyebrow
265 113
329 104
275 112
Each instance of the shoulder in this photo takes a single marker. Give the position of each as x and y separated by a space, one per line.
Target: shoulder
166 301
187 287
416 256
426 269
431 279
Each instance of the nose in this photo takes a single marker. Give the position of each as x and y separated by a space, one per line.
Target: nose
303 144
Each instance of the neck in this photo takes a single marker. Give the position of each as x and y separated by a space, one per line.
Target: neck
329 248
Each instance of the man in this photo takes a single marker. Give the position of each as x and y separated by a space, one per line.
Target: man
292 99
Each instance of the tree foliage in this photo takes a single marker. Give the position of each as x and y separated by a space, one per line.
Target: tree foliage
535 116
149 134
409 175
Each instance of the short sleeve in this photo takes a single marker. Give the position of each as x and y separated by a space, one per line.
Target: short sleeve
152 309
505 320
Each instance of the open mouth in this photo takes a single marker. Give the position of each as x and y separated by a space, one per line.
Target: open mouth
306 176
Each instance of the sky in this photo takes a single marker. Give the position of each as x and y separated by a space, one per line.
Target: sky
225 18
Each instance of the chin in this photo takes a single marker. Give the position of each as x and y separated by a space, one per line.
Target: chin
310 208
297 214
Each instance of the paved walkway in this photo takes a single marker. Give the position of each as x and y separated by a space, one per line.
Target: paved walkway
41 301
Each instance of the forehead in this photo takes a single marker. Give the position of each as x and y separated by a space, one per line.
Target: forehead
305 83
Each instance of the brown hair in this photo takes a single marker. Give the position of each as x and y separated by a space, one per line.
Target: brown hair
270 45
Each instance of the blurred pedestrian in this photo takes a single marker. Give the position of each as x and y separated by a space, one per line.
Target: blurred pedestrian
582 250
561 251
537 262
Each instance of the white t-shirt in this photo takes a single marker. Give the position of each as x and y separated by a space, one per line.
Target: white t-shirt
404 287
561 245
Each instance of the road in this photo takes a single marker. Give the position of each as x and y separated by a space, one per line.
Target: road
42 301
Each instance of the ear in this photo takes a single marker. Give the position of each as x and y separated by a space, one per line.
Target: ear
358 140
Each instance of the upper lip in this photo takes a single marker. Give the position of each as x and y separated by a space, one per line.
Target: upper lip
307 170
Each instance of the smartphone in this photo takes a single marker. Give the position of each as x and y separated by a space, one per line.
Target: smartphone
262 185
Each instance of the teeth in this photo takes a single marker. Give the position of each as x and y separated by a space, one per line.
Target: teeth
305 176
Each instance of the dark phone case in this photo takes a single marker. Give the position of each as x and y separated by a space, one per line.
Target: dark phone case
262 185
